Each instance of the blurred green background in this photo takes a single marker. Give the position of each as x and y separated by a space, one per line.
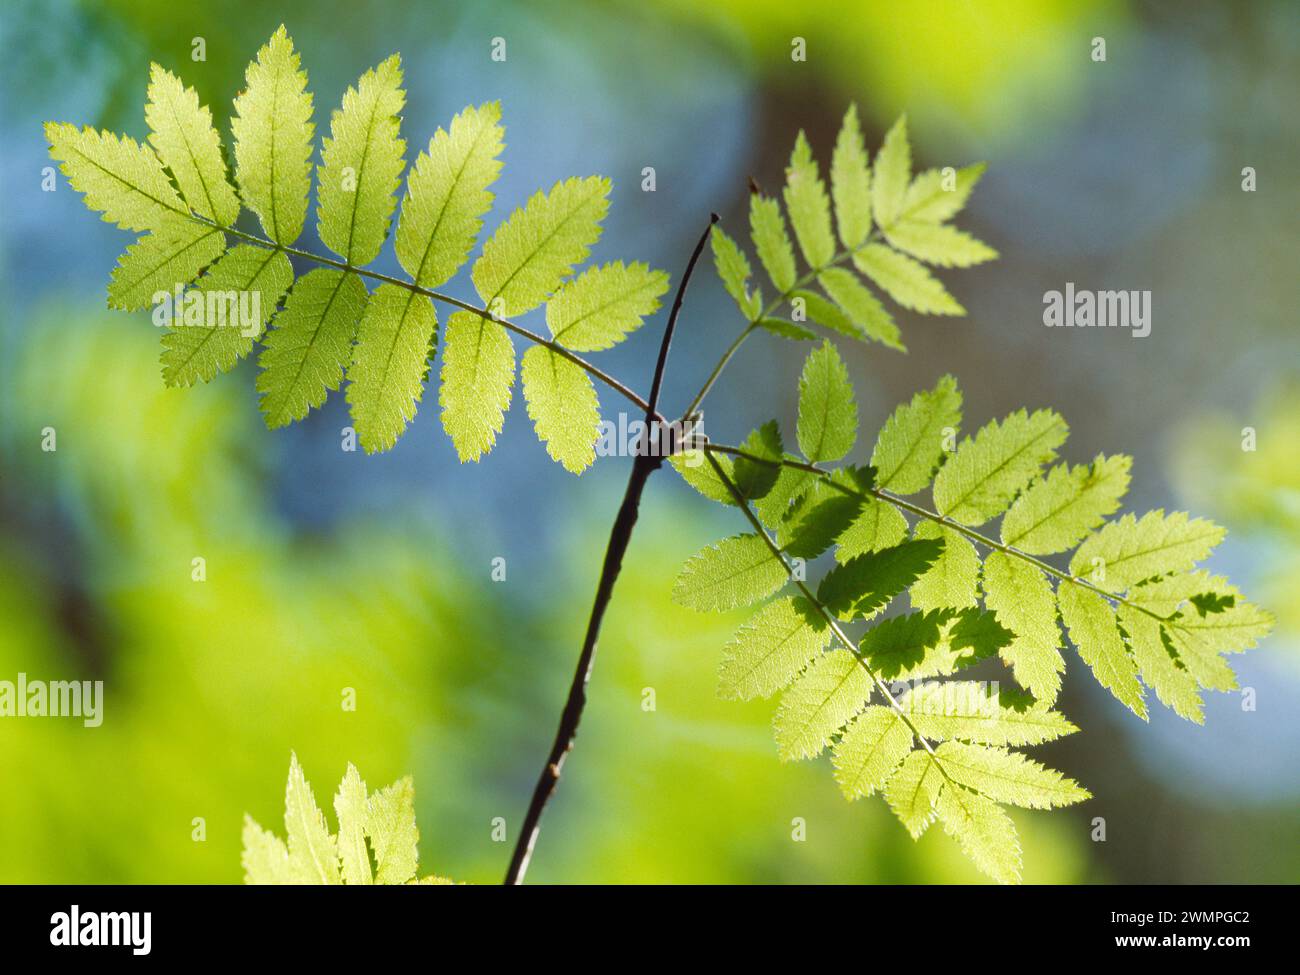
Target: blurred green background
329 570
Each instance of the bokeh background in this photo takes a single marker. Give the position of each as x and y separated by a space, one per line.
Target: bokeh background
329 569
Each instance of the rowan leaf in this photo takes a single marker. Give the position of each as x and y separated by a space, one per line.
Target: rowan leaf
863 309
734 271
912 791
809 206
769 650
182 134
1007 776
822 699
258 278
934 196
983 830
1095 633
447 194
878 525
116 176
478 373
851 182
313 854
1023 601
310 344
865 584
531 254
603 305
980 479
891 175
389 363
828 415
975 712
872 746
939 244
361 165
772 241
350 807
953 579
906 281
738 571
1125 552
162 261
1059 510
911 443
563 406
273 139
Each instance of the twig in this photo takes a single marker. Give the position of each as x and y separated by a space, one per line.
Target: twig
647 461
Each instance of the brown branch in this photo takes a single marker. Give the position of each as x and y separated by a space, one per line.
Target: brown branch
648 459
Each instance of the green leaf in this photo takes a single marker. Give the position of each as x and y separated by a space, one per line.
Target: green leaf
1061 509
1006 776
865 584
939 244
828 415
563 405
313 855
182 134
603 305
1096 636
753 479
862 307
791 485
273 139
531 254
771 649
906 281
738 571
928 199
390 824
733 269
872 746
818 520
912 790
310 345
162 261
985 473
389 363
787 330
878 525
973 711
1127 551
362 163
1159 667
1198 636
900 648
1021 597
911 443
809 206
196 353
478 371
851 182
983 830
826 313
953 579
892 172
772 241
350 807
695 469
980 633
822 699
447 195
265 859
117 176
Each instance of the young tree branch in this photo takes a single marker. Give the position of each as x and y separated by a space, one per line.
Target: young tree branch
647 461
